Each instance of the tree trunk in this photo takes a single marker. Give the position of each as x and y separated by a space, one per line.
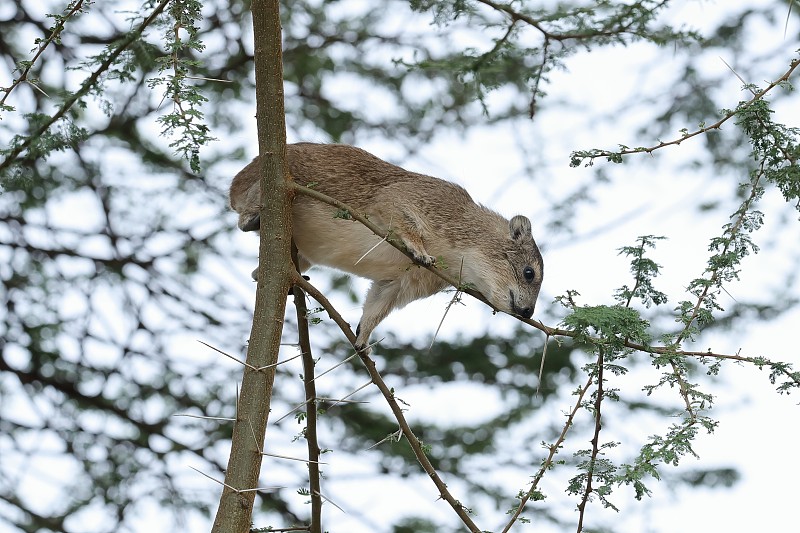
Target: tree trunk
236 507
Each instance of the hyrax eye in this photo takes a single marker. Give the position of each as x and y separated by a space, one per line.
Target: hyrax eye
528 273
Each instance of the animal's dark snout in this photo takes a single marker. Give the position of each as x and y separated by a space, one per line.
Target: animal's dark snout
527 312
524 312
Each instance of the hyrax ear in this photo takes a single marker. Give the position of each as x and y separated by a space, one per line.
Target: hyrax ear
520 228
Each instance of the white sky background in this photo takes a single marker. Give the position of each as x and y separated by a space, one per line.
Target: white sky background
758 432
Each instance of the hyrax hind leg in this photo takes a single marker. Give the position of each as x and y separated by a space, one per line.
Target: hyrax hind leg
384 296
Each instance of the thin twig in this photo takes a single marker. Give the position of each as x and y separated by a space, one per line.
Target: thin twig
291 458
593 154
595 442
541 365
337 365
238 491
330 501
737 75
516 15
248 365
456 298
396 436
255 439
206 417
311 403
341 400
57 29
280 362
345 397
370 250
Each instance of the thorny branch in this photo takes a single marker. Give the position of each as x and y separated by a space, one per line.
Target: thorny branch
561 37
311 405
704 294
58 27
497 46
413 441
595 441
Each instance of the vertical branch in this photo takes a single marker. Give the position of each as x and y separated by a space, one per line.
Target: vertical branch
595 441
311 404
274 273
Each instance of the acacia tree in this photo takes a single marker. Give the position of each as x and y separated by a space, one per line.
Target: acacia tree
96 351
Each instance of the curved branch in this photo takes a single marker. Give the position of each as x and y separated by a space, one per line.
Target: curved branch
550 331
388 394
578 156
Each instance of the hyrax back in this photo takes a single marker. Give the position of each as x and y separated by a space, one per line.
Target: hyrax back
437 221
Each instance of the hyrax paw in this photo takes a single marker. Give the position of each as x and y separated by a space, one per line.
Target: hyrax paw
363 348
424 259
250 222
361 345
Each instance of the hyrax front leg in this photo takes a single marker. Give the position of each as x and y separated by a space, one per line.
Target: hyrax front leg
410 231
382 297
387 295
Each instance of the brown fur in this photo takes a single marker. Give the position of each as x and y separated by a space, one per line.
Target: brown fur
438 221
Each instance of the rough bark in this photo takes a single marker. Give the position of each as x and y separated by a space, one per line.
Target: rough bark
236 507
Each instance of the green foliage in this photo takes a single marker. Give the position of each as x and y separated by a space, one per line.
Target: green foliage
601 470
775 147
612 324
668 449
185 122
561 31
643 270
62 136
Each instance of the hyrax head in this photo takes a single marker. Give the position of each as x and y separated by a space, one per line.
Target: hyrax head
519 272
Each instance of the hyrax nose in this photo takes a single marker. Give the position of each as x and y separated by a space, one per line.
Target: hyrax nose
525 312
